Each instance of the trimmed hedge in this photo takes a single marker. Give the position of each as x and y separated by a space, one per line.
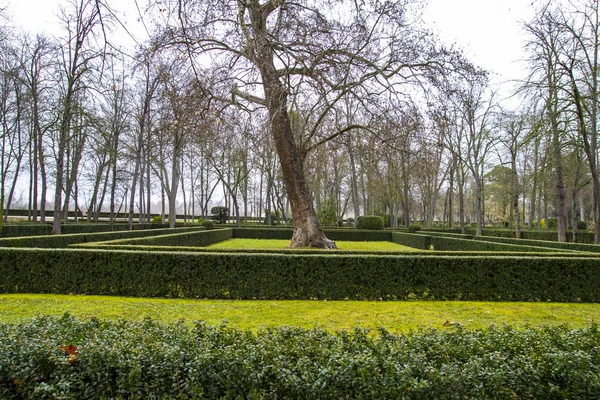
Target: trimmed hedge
276 276
593 248
147 360
371 222
196 238
445 243
22 229
64 240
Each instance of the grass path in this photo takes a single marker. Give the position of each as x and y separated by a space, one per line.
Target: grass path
330 315
282 244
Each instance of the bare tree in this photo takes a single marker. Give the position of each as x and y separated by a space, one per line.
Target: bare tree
324 51
82 20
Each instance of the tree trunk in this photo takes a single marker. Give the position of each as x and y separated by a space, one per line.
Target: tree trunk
307 228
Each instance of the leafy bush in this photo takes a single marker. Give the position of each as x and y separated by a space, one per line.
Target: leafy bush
207 224
327 214
275 217
414 228
581 225
142 360
157 219
220 214
372 222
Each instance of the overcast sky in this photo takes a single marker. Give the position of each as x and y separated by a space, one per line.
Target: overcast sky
488 30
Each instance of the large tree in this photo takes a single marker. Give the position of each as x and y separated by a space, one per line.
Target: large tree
320 52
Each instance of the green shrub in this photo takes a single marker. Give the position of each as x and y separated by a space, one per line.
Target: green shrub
372 222
581 225
220 214
157 219
414 228
207 224
148 360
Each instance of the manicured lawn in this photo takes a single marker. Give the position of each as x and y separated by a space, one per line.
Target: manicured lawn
330 315
282 244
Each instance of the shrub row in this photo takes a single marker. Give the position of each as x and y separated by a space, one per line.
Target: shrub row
298 276
64 240
544 243
22 229
446 243
146 360
549 235
187 238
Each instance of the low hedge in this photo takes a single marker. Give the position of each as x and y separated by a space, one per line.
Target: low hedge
194 238
298 276
592 248
30 229
147 360
64 240
446 243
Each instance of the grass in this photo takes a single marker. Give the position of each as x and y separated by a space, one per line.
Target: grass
330 315
282 244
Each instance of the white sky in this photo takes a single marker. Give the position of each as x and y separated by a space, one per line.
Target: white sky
487 30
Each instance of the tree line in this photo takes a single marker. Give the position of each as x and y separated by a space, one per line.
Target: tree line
306 112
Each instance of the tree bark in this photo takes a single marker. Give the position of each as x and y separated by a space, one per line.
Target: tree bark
307 228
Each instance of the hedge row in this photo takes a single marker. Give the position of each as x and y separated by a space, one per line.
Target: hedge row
549 235
187 238
21 229
593 248
64 240
277 276
445 243
120 360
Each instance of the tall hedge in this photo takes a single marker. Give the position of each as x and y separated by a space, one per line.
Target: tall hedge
298 276
146 360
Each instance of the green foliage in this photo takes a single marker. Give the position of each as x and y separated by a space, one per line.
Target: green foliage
275 217
372 222
207 224
299 276
581 225
412 228
157 219
220 214
120 360
327 214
